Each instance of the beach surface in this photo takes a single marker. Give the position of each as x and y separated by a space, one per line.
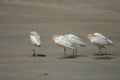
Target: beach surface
49 17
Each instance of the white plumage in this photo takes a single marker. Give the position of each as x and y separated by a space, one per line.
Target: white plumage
100 41
106 40
76 41
35 39
62 41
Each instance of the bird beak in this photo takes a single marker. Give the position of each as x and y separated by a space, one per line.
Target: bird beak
51 38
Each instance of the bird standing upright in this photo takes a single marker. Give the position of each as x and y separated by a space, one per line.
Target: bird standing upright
76 41
100 41
62 41
35 39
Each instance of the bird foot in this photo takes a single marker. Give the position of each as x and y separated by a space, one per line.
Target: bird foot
34 54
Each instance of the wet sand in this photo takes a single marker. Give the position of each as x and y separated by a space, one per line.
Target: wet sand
57 17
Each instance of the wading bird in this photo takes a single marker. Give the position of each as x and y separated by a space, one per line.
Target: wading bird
100 41
76 41
63 42
35 39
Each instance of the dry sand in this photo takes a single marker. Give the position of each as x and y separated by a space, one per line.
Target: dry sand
49 17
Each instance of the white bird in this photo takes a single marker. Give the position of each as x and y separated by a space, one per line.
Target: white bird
62 41
100 41
76 41
35 39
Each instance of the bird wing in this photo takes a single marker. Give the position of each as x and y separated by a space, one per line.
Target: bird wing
73 36
100 35
109 42
35 38
61 40
74 39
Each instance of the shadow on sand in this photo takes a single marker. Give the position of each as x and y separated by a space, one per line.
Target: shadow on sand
44 74
39 55
104 58
103 54
72 56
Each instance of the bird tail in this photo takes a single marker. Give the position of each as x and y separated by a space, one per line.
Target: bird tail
82 44
110 42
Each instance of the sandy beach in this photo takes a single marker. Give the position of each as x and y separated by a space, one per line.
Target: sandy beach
50 17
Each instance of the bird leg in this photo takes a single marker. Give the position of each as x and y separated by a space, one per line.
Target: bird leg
73 51
65 52
106 52
99 53
34 54
76 50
